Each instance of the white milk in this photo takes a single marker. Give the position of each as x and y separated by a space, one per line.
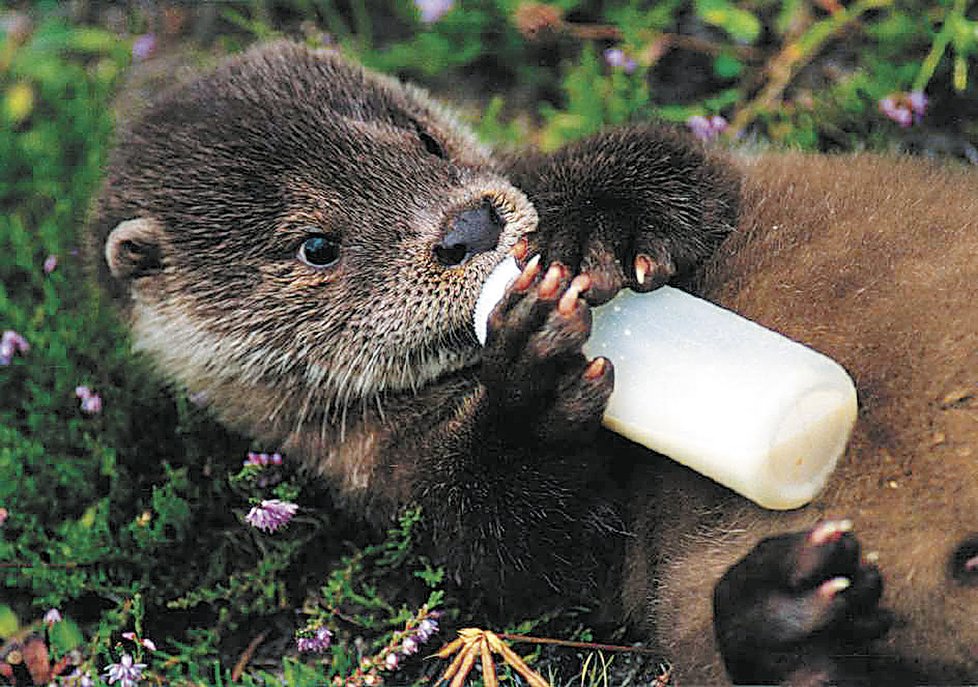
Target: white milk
741 404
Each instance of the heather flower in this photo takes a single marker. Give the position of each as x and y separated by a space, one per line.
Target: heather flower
52 616
707 128
263 459
433 10
91 402
146 642
426 628
391 661
318 642
271 514
906 109
77 679
409 646
12 343
4 514
616 57
125 672
143 47
50 263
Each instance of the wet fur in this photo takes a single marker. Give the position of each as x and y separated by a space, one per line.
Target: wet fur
371 375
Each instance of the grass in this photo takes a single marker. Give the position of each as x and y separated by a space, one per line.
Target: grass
132 519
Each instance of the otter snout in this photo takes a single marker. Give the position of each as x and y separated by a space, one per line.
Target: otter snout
469 233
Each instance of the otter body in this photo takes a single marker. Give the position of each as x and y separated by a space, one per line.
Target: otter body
303 242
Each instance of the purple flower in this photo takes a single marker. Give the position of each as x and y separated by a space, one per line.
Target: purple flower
143 47
91 402
426 628
707 128
12 343
317 642
433 10
50 263
263 459
271 514
616 57
77 679
906 109
125 672
52 616
391 661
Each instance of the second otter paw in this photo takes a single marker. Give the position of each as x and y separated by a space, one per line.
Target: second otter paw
800 607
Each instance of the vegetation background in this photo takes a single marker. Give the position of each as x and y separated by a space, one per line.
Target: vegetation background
122 504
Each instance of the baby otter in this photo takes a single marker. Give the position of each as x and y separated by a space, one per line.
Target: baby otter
303 241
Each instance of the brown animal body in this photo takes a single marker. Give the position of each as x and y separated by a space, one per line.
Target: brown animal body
303 242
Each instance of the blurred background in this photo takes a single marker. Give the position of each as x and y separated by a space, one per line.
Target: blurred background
126 550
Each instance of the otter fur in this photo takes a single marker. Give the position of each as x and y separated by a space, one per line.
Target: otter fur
303 242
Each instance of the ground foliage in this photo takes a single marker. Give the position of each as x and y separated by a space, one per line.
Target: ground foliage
131 519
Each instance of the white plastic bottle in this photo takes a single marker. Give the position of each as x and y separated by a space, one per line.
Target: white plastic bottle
741 404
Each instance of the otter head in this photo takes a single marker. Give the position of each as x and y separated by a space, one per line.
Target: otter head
291 232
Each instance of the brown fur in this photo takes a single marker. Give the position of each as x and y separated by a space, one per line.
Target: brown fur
369 370
871 260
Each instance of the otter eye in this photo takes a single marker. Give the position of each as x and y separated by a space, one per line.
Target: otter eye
430 144
319 251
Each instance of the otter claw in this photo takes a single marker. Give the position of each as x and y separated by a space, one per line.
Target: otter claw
829 531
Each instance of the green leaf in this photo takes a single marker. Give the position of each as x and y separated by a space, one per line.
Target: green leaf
8 622
727 66
65 636
740 24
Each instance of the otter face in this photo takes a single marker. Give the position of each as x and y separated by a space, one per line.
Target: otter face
292 219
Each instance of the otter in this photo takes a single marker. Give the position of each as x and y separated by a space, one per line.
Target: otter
302 241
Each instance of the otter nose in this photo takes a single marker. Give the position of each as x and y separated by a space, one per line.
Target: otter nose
470 232
964 562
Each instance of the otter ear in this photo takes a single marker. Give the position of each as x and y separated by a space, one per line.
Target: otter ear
134 248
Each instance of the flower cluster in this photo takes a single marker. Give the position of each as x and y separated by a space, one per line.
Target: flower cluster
313 640
263 459
412 639
906 109
12 343
433 10
617 58
271 514
91 402
707 128
126 672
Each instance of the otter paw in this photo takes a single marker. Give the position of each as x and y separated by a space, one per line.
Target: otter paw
612 259
799 608
533 368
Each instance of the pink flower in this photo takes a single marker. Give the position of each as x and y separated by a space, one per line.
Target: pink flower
707 128
125 672
52 616
271 514
4 514
317 642
906 109
50 263
433 10
146 642
391 661
91 402
616 57
12 343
